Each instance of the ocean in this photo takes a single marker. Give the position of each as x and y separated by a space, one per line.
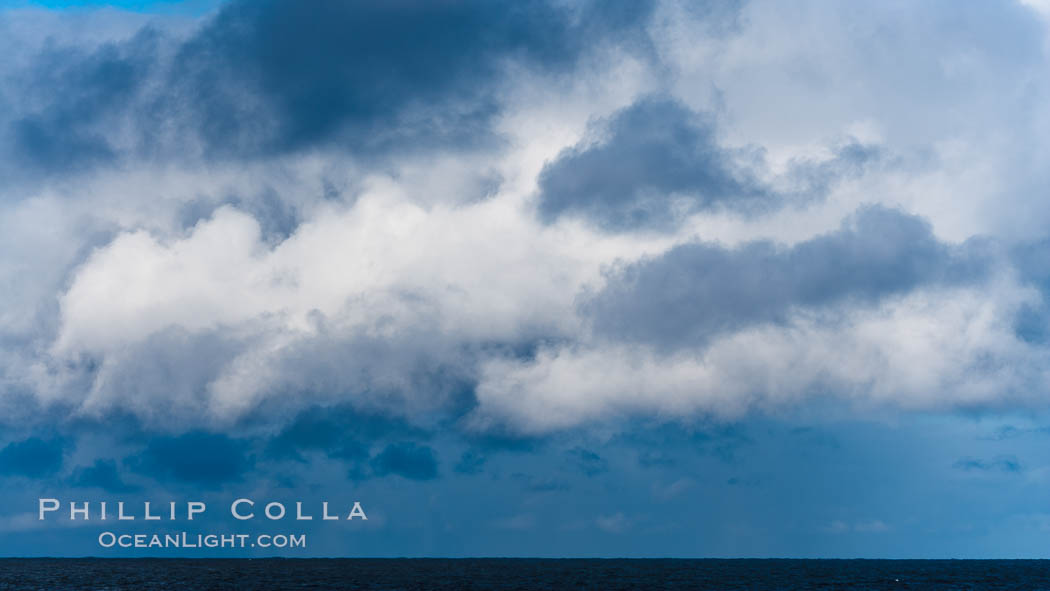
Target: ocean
525 574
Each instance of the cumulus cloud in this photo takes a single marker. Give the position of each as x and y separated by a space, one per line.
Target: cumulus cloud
102 474
471 462
264 78
587 462
407 459
358 301
514 219
198 458
945 348
33 457
694 291
656 162
338 432
1008 464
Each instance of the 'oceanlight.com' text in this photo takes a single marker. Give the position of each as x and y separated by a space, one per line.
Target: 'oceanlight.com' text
187 540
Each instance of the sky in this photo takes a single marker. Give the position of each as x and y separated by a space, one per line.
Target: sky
554 278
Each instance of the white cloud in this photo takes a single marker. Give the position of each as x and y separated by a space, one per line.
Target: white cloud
931 350
614 524
424 260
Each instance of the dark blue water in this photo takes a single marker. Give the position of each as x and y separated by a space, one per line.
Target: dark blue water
523 574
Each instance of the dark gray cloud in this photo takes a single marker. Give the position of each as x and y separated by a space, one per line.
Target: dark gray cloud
587 462
406 459
743 481
362 67
725 442
351 436
653 440
338 432
196 457
1011 432
275 76
1032 323
471 462
657 160
1008 464
654 150
684 296
655 459
499 438
815 437
76 100
534 484
33 457
1032 260
102 474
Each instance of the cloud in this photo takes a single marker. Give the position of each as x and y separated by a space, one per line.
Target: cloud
1011 432
655 162
656 150
1033 321
521 522
695 291
102 474
587 462
199 458
873 526
471 462
258 79
535 484
392 334
1008 464
904 353
79 98
314 314
655 459
374 244
32 458
338 432
271 209
406 459
614 524
666 492
172 364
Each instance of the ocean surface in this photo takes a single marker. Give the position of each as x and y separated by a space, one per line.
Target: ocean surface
519 574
